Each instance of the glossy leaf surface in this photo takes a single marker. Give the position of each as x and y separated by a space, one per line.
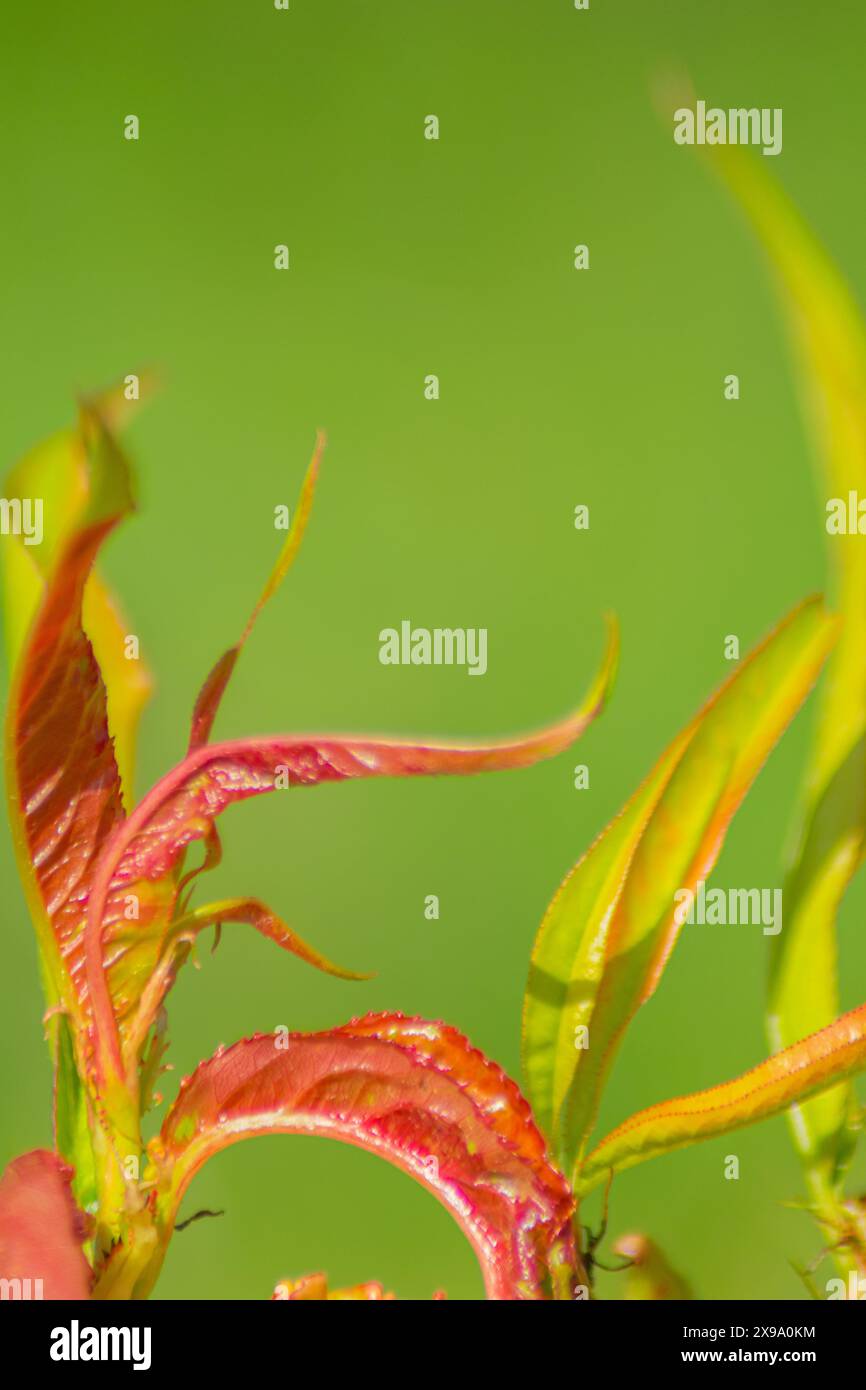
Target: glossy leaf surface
65 789
182 808
412 1091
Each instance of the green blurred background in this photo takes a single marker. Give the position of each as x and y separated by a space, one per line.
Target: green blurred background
411 257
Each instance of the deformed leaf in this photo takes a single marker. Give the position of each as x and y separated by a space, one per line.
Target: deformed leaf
787 1078
417 1094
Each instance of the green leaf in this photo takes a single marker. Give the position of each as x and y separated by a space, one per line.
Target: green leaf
830 339
71 1118
607 935
806 1069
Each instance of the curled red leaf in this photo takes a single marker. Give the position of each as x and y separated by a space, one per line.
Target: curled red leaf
416 1093
182 808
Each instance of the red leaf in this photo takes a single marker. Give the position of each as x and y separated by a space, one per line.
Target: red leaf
64 787
182 933
184 805
41 1230
414 1092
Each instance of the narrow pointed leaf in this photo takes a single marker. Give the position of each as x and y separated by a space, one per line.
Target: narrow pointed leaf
608 933
787 1078
184 805
569 957
41 1229
208 703
417 1094
250 912
829 335
183 932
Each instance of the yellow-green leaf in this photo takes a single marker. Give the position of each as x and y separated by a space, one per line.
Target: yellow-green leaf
607 935
789 1077
829 335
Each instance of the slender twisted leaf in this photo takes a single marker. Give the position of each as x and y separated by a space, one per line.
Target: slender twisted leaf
785 1079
